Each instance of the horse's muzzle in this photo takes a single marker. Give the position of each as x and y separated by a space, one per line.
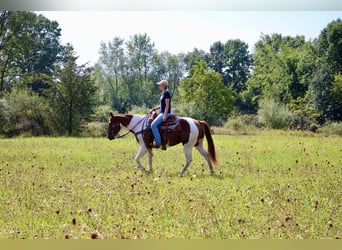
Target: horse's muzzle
110 137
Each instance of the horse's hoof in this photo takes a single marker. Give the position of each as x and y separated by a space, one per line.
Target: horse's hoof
143 169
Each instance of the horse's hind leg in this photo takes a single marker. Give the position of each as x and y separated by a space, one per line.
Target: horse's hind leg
188 158
206 156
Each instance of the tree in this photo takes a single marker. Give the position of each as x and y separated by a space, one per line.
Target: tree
330 45
206 94
326 92
29 49
233 61
170 67
72 95
111 67
47 50
237 65
217 57
320 90
193 58
281 70
175 70
140 53
337 97
325 88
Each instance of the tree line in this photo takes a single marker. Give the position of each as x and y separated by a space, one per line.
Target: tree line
286 82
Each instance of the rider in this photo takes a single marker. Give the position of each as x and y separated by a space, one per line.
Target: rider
165 111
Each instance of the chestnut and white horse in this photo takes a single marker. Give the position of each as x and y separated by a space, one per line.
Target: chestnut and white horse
185 130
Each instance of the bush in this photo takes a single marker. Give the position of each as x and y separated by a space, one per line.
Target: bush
139 110
2 115
102 113
273 115
242 124
95 129
331 128
188 109
24 112
301 122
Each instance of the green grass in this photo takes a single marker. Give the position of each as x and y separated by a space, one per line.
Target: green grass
268 186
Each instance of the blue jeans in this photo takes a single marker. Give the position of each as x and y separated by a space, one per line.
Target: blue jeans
154 126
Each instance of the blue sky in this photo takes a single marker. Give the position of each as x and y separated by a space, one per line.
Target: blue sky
182 31
174 5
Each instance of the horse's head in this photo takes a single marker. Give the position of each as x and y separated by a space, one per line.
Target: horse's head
113 127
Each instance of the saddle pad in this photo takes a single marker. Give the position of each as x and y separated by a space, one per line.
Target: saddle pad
170 124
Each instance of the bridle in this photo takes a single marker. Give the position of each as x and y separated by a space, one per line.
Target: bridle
113 127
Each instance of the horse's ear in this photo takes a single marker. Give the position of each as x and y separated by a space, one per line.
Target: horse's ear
111 114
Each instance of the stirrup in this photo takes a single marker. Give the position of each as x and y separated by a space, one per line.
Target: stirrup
155 145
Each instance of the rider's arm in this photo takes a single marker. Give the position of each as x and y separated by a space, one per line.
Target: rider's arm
152 110
156 108
167 106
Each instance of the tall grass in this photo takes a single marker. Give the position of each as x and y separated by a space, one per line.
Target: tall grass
266 186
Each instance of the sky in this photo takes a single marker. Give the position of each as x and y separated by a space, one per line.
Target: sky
182 31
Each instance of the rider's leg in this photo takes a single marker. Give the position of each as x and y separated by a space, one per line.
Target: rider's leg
154 127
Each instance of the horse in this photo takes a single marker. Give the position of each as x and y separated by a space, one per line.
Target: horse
185 130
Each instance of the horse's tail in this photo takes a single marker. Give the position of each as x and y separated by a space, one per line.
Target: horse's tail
211 146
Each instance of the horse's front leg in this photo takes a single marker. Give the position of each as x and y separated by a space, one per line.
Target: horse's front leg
142 150
149 157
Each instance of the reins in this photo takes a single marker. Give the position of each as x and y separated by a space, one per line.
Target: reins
120 136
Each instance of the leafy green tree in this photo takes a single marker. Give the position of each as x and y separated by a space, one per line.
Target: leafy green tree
110 73
29 49
140 53
304 115
217 57
175 69
72 95
193 58
205 93
337 97
320 91
264 72
170 67
233 61
237 64
326 93
330 45
282 70
302 71
325 88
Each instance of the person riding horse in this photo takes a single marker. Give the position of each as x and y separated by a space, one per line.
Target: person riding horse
185 130
165 112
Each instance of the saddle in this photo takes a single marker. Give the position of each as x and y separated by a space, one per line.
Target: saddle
171 123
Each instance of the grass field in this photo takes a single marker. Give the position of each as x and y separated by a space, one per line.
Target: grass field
267 186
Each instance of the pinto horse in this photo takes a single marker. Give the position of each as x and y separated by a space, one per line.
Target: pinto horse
185 130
